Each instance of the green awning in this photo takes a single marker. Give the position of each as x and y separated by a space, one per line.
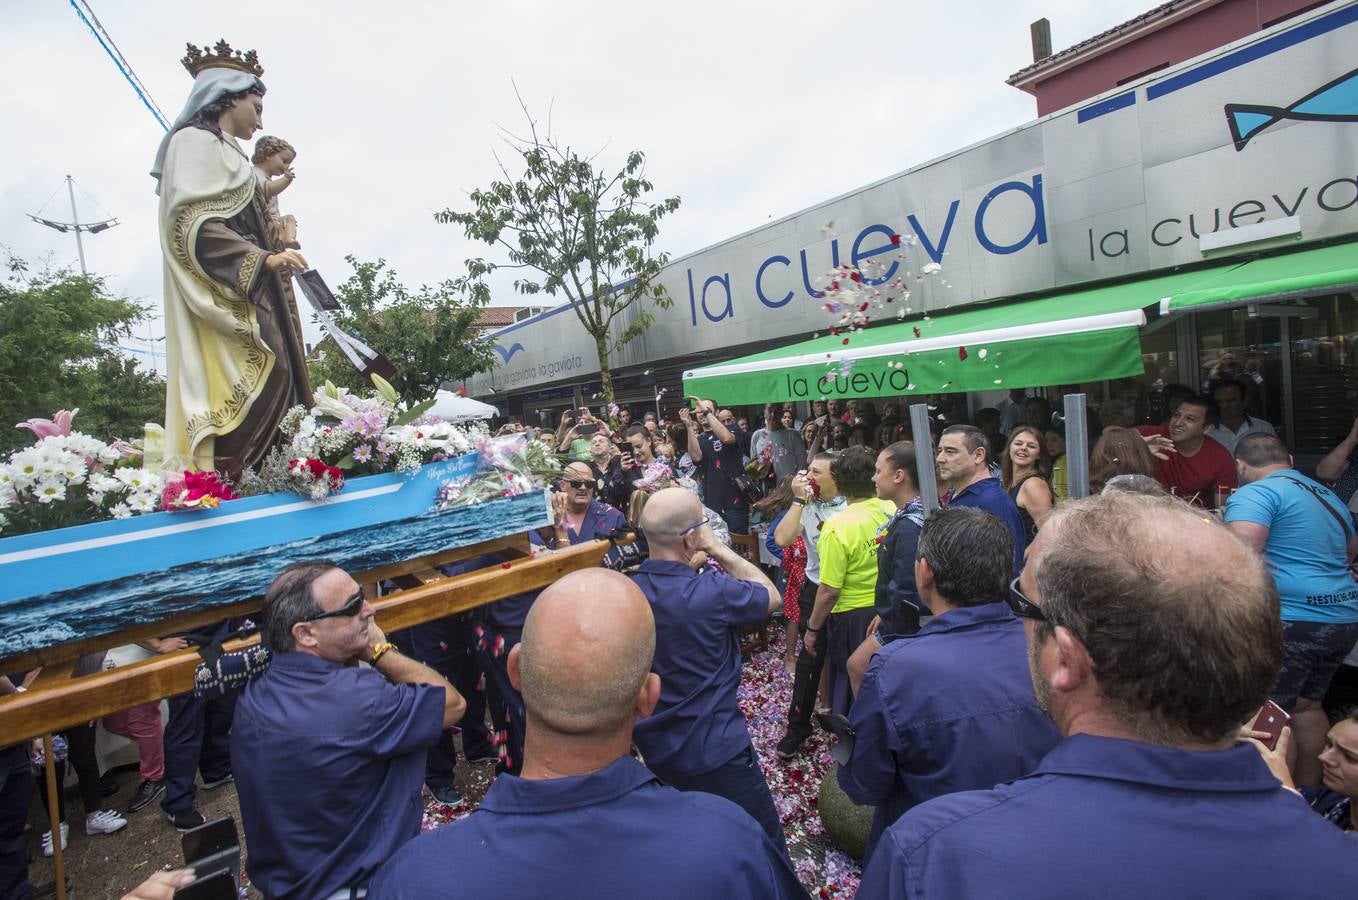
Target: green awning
1274 278
1081 335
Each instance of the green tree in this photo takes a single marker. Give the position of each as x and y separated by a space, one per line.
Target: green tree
587 233
428 334
58 333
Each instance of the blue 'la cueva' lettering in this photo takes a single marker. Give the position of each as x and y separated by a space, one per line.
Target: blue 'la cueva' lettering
935 252
806 274
695 300
1038 229
860 255
725 281
759 286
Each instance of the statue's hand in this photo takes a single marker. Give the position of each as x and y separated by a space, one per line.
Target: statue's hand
287 231
286 263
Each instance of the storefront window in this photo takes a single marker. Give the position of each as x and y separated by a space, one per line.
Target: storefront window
1160 355
1233 343
1324 381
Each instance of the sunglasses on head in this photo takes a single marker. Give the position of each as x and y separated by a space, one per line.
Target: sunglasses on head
351 608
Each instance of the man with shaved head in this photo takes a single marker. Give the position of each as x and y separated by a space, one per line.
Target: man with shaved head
697 739
584 819
1153 636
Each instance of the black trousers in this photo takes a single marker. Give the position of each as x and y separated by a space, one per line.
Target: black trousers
81 756
16 794
446 646
806 677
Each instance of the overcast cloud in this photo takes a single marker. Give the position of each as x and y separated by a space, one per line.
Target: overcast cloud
746 111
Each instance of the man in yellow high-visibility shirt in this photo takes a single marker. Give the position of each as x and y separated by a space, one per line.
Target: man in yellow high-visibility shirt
848 571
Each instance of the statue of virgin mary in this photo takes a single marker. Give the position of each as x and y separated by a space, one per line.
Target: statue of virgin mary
236 362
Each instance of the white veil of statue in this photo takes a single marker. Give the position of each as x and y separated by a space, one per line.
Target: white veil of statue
208 85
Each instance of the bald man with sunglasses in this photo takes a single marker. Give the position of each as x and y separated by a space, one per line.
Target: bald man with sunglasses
328 755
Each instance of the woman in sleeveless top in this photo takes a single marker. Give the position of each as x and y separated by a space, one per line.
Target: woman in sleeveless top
1025 469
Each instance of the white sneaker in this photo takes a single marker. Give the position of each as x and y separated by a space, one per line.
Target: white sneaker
106 821
47 839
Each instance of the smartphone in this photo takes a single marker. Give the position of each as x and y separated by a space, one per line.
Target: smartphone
587 430
219 886
211 849
839 726
1271 719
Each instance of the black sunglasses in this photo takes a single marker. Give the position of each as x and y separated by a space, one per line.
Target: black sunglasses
351 607
1022 606
578 484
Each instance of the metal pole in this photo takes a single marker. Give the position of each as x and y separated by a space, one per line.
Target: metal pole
75 220
924 456
1077 447
54 816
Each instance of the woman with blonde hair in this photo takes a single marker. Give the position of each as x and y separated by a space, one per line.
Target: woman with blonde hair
1025 472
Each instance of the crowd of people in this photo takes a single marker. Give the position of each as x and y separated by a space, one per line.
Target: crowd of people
1041 696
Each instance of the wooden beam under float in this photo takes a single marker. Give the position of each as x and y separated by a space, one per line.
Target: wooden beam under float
55 703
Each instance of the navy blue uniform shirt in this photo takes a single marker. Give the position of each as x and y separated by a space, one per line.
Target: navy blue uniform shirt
1108 818
617 832
719 465
329 765
948 709
989 495
600 521
697 725
896 599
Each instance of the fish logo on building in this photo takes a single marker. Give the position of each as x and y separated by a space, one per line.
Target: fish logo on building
1333 102
506 355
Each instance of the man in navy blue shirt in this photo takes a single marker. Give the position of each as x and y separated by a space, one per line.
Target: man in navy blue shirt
328 755
578 516
963 462
1152 635
697 740
585 820
715 450
950 708
898 603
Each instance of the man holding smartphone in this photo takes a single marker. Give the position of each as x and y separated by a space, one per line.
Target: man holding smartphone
574 440
715 450
1306 536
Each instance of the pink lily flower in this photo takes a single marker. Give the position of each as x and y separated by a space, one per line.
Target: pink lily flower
57 426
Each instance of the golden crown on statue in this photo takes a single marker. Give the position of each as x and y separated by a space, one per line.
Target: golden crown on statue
221 57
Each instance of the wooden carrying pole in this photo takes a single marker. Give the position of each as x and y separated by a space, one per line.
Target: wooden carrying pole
54 816
55 704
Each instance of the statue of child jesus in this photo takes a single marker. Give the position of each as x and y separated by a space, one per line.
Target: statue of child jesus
273 158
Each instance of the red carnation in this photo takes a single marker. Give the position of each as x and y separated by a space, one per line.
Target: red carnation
916 330
854 276
895 240
962 353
